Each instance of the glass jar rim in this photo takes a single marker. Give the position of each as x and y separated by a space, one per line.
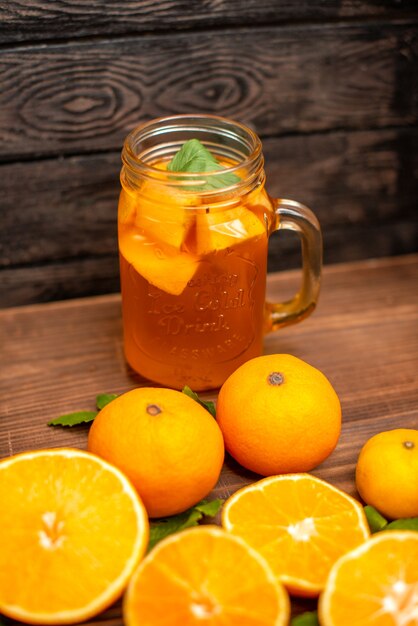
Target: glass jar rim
190 122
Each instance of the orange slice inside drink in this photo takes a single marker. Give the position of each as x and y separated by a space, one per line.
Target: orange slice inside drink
163 266
219 230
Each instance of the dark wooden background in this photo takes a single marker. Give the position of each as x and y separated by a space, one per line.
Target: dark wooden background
331 87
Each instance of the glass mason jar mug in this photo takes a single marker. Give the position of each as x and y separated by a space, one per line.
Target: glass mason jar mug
193 253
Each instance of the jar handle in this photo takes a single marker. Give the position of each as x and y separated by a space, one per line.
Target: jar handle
291 215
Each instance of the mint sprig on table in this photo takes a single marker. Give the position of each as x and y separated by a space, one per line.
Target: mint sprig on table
170 525
194 157
104 398
72 419
207 404
377 522
85 417
309 618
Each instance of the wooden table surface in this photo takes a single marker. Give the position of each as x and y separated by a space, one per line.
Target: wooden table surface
55 358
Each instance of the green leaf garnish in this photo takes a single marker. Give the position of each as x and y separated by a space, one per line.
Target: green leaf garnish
310 618
194 157
72 419
207 404
209 508
406 523
375 520
104 398
165 527
170 525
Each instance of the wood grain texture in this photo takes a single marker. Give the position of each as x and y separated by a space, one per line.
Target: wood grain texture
84 96
59 280
363 336
75 278
58 217
67 208
44 20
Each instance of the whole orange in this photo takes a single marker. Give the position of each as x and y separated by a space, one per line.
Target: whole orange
278 415
387 472
169 446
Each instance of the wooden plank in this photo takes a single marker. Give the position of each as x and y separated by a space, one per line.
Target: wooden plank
362 336
85 96
75 278
70 18
66 208
59 281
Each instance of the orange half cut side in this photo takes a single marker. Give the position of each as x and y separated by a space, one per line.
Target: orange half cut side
376 584
205 576
72 530
300 524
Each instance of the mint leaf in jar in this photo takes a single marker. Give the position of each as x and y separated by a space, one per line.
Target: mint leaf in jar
194 157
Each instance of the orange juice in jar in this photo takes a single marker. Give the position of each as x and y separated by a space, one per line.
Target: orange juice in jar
193 250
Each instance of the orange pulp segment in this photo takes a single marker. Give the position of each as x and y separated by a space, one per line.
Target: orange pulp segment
72 530
164 267
300 524
376 584
164 214
205 576
218 230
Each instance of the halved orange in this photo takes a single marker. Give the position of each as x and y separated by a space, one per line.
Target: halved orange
72 531
300 524
376 584
205 576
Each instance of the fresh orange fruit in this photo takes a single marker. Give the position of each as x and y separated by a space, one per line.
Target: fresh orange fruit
278 414
166 443
387 472
205 576
374 585
300 524
72 531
